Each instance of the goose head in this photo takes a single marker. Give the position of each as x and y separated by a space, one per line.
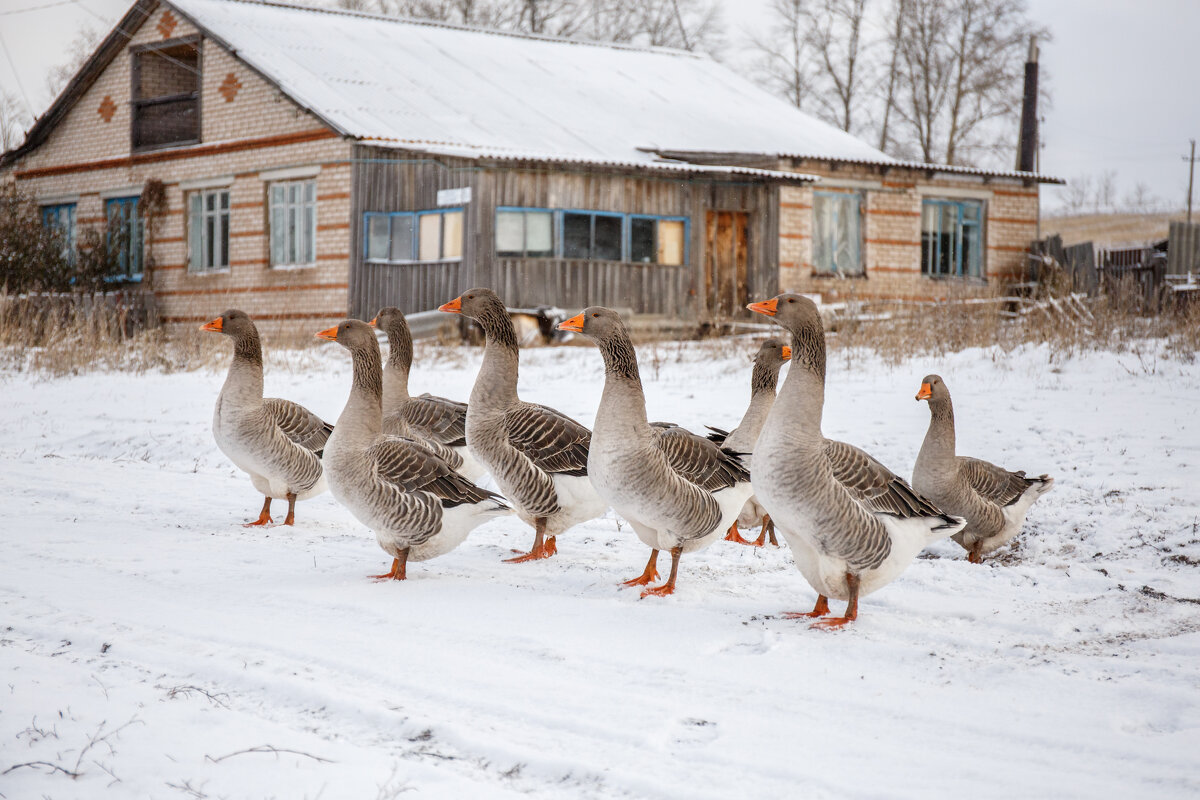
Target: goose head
772 353
933 389
597 323
389 318
233 323
476 304
792 311
351 334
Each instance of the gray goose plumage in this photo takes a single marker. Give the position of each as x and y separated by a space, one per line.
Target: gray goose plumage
438 419
418 506
849 536
993 500
537 456
276 442
770 358
678 491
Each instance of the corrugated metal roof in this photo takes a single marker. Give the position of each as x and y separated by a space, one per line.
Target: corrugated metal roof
383 78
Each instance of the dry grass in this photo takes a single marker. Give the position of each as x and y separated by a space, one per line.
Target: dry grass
67 338
1110 229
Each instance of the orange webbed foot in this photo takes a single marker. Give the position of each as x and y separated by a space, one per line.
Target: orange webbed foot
396 573
659 591
831 623
265 519
641 580
819 610
734 536
536 554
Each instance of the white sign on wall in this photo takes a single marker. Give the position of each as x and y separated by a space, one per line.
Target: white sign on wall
454 197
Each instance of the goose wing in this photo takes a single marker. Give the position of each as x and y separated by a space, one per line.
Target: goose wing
717 435
993 483
554 442
700 460
299 424
412 467
439 418
874 485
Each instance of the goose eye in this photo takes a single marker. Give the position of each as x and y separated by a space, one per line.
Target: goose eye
790 300
595 315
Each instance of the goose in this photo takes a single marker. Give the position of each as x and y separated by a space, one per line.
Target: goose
771 356
418 506
437 419
537 456
278 443
678 490
851 523
993 500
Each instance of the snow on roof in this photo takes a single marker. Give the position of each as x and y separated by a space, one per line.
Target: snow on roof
433 85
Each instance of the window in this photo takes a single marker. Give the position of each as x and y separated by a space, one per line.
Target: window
440 235
837 232
413 236
166 95
527 233
951 238
208 231
125 236
293 223
592 235
657 240
61 217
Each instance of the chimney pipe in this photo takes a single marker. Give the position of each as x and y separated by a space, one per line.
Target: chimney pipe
1027 143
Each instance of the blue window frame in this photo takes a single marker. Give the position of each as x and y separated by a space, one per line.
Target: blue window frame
407 236
588 235
837 232
952 238
61 217
124 237
658 240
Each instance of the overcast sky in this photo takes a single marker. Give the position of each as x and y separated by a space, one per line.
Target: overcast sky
1124 78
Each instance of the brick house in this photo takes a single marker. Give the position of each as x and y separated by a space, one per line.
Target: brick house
321 163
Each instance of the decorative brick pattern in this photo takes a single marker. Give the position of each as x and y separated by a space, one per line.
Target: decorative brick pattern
167 24
107 108
229 87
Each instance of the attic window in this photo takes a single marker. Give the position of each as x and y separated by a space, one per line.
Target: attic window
166 94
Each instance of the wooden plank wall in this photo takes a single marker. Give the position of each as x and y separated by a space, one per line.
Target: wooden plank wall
390 181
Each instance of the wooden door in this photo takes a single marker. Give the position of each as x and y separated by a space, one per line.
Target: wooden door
727 240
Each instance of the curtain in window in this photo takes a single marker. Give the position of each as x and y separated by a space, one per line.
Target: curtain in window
837 232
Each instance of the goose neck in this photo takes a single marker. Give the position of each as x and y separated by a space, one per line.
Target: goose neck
939 441
244 383
363 414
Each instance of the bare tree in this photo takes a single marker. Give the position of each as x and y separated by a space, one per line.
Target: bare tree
1105 198
78 51
14 120
1078 194
783 62
961 74
889 80
1140 199
835 31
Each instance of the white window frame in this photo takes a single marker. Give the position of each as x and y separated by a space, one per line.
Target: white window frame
297 218
209 262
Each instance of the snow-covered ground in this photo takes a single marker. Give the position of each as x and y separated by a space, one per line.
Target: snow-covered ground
156 648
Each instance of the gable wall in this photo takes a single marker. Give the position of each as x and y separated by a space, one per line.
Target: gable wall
86 159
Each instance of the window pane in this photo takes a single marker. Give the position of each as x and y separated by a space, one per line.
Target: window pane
293 193
823 233
539 234
277 194
310 191
642 248
577 235
222 257
607 243
846 256
278 234
670 242
452 234
402 238
309 235
428 245
195 235
948 264
377 236
510 233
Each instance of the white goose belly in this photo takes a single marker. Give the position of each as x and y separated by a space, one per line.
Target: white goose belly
248 456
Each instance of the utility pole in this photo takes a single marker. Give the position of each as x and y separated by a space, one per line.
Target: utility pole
1191 173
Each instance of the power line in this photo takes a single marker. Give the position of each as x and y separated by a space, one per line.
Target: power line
16 76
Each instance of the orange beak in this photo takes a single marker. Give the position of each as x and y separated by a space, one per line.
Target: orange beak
454 306
372 322
926 392
328 333
787 353
575 324
765 307
217 325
